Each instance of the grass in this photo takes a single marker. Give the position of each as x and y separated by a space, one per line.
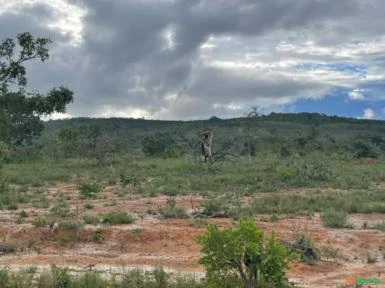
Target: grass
61 277
351 186
171 211
88 190
115 218
91 219
334 219
181 176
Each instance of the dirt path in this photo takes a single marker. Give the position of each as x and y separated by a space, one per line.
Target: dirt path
153 241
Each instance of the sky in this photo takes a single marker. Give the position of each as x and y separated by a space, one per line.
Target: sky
193 59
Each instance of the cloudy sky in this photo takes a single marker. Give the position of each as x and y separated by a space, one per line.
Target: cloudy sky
191 59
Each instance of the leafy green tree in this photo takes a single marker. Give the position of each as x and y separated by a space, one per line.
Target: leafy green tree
363 149
83 141
160 144
21 111
4 152
242 257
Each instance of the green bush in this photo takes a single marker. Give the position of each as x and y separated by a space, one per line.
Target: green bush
364 150
243 257
97 236
160 144
7 247
61 207
70 225
88 190
115 218
334 219
171 211
91 219
41 222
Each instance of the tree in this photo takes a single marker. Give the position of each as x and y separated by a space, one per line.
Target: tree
160 144
21 111
86 141
241 257
4 152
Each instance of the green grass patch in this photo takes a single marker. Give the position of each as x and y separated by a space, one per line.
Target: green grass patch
115 218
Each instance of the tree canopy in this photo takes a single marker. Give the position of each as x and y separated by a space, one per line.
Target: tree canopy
21 111
242 257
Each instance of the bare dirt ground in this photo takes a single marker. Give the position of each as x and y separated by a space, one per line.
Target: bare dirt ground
153 241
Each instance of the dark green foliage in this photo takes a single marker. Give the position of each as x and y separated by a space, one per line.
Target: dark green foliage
160 144
91 219
4 152
23 214
284 135
97 236
61 207
88 190
243 257
87 141
128 179
115 218
70 225
20 117
8 199
21 111
7 248
172 211
364 150
334 219
304 246
12 70
41 222
58 277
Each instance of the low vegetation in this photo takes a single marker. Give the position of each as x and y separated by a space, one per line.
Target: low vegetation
243 257
61 277
279 165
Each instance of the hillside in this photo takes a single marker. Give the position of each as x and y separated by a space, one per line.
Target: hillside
296 132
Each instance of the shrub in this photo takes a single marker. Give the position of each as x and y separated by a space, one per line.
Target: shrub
89 206
306 249
91 219
371 258
97 236
115 218
88 190
172 211
7 247
334 219
61 207
70 225
243 257
364 150
160 144
66 238
41 222
210 207
23 214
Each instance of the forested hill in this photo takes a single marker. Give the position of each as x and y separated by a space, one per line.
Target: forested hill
291 132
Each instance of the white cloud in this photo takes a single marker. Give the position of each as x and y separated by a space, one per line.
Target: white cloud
67 17
368 114
57 116
356 94
177 59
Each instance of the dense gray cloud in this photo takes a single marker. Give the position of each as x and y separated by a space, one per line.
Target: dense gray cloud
184 59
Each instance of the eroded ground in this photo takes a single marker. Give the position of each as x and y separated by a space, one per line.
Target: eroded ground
154 241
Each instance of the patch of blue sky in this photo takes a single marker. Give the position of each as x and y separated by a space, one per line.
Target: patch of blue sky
346 68
374 90
337 103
